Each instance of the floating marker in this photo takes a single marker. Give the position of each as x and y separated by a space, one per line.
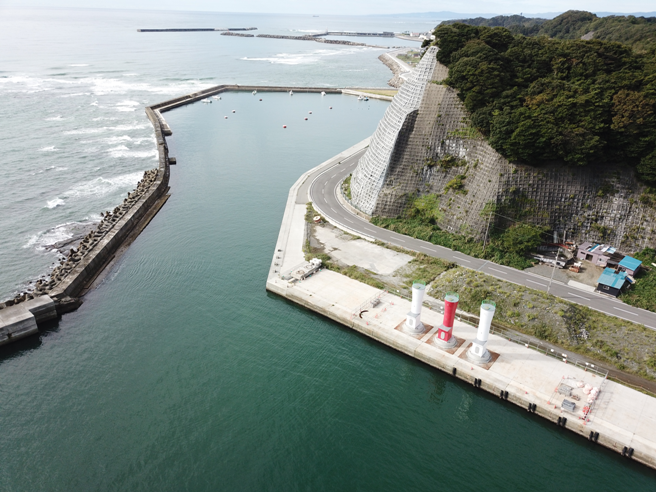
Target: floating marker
284 126
305 119
309 112
260 99
225 117
233 110
330 107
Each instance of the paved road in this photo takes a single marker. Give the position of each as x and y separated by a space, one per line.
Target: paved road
323 193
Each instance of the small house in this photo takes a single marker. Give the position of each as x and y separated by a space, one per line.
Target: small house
611 283
630 265
597 254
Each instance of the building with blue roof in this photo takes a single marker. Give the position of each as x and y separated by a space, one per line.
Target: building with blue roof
611 283
630 265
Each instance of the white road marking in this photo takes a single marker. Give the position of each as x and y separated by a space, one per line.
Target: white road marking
399 239
331 208
367 229
427 249
647 326
533 282
349 220
500 271
625 311
576 295
461 259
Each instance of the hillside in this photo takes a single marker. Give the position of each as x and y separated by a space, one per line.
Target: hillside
540 100
637 32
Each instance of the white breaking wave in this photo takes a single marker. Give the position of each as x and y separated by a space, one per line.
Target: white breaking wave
55 118
47 238
102 186
52 148
306 58
115 140
123 151
127 105
55 203
79 65
118 128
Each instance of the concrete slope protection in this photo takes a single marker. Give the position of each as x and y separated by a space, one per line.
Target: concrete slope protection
426 144
325 194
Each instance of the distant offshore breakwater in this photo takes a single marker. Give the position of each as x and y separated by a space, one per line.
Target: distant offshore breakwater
318 37
82 267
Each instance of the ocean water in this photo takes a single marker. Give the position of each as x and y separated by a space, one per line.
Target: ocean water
180 372
74 83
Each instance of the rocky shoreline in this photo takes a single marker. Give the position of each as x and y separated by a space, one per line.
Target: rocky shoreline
73 256
396 81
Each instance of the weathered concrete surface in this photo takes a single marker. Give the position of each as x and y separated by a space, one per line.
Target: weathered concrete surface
21 320
289 247
351 251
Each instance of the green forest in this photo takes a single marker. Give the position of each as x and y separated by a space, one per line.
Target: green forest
539 99
637 32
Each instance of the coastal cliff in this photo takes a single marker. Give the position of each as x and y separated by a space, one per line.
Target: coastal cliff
438 151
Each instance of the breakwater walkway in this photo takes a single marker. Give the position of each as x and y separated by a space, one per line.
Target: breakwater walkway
620 419
61 290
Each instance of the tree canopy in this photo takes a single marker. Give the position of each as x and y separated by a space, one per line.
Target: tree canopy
539 99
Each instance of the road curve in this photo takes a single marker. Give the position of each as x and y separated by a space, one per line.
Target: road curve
323 191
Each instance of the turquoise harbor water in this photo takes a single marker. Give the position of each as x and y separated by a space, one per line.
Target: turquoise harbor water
181 373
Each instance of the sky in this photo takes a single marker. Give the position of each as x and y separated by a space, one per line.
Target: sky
349 7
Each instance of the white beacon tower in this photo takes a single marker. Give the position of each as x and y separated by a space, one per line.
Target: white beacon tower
477 352
413 322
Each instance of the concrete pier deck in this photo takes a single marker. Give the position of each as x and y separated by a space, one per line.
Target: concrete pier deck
621 419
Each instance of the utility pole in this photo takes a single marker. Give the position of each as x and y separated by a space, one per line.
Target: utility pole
554 270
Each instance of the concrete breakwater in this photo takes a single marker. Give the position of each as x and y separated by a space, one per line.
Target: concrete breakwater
60 291
620 419
396 81
199 29
318 39
239 34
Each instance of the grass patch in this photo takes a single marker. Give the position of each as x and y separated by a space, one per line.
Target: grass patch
346 186
643 293
627 346
310 213
426 268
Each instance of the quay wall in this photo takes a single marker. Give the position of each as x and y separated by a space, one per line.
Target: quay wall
644 452
528 376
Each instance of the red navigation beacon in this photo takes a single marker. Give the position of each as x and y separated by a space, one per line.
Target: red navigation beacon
445 332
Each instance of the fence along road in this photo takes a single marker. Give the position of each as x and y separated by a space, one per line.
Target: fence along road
323 194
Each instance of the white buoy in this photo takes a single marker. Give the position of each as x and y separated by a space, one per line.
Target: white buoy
254 92
323 93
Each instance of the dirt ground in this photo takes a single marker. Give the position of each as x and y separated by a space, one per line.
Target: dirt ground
589 273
